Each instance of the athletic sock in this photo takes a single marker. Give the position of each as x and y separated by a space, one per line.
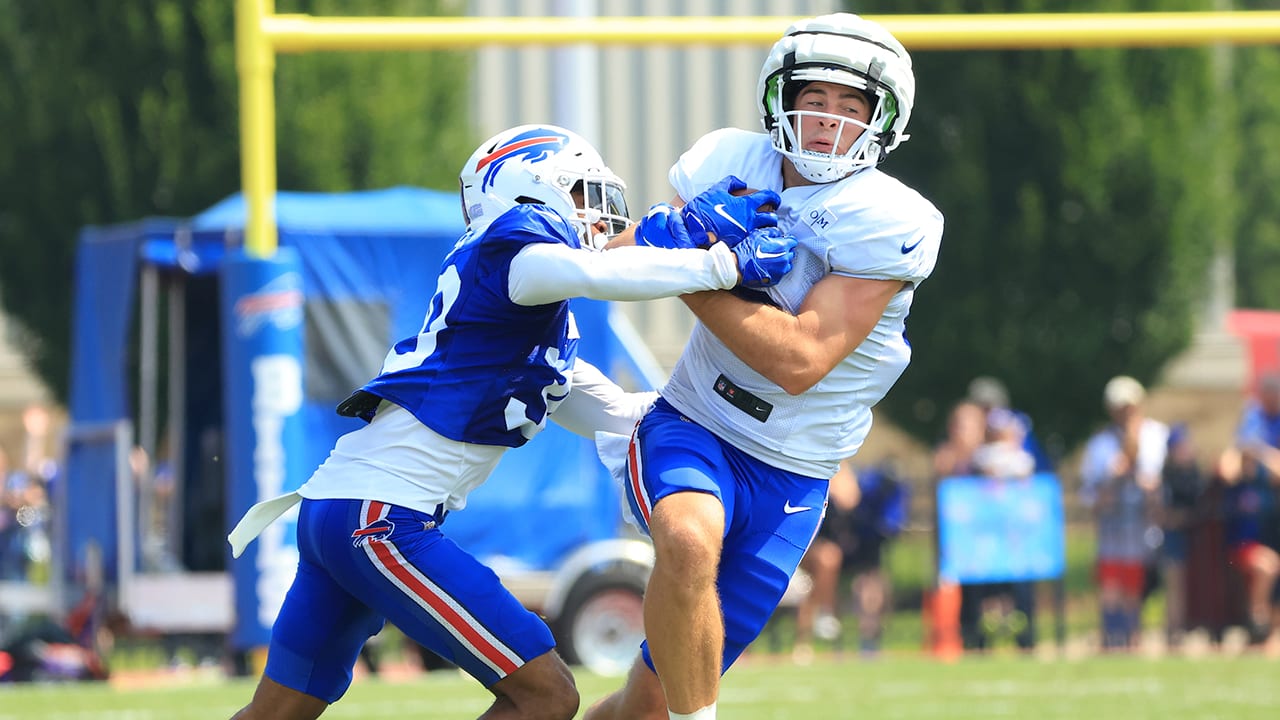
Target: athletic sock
706 713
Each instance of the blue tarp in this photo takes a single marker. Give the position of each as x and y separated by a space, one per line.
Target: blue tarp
369 263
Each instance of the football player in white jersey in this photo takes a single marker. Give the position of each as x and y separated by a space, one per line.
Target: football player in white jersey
728 472
496 356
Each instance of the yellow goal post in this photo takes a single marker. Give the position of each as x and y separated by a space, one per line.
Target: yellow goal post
261 34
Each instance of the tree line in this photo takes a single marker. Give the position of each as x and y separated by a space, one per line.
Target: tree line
1086 191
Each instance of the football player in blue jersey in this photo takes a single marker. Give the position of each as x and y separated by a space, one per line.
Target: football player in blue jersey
496 357
728 472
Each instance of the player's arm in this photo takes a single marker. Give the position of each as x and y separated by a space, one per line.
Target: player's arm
666 263
796 351
550 272
597 404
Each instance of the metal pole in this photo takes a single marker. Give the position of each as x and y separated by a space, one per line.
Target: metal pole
176 424
255 62
141 493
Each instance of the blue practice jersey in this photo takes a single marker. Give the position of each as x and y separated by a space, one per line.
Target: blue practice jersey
484 369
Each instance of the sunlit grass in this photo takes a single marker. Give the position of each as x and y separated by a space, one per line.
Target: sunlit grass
765 687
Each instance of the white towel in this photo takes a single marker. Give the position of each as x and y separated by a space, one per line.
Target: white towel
257 518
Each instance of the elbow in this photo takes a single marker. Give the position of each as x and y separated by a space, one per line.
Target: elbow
796 370
796 382
796 387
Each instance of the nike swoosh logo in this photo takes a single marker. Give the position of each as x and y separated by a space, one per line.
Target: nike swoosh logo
908 248
719 208
793 509
764 255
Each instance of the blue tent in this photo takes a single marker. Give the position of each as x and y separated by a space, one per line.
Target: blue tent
368 263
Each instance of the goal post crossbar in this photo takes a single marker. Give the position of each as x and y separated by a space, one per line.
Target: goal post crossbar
261 35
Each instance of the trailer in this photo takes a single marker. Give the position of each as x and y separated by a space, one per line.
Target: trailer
205 380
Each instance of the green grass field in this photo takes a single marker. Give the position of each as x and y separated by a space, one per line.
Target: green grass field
767 688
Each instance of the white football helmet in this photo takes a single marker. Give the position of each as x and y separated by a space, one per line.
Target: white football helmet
543 164
849 50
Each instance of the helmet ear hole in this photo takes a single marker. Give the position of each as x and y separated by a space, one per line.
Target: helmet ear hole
791 90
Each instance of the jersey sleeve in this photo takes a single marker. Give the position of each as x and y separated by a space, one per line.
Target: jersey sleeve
728 151
889 244
597 404
542 274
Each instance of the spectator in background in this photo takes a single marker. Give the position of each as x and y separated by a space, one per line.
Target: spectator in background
865 510
1120 482
991 394
1004 454
1257 524
991 609
1259 434
966 432
25 549
817 613
1249 502
12 560
1182 485
953 457
40 471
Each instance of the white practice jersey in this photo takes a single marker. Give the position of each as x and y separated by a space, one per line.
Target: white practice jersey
868 225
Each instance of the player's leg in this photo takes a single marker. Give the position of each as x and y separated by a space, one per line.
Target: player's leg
673 492
640 699
444 599
682 618
273 700
317 636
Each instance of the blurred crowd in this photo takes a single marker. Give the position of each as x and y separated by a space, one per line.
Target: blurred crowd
26 485
1206 536
1202 535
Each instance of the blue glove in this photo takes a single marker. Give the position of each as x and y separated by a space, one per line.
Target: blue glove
764 257
729 216
663 228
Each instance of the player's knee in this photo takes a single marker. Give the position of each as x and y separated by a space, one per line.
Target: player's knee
561 703
685 545
543 689
687 531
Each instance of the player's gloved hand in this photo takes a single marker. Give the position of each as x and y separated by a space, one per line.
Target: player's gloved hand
731 217
764 257
662 227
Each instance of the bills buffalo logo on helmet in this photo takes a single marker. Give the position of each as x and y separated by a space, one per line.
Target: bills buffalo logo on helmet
533 146
377 530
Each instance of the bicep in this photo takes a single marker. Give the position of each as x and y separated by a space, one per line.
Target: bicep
842 311
544 273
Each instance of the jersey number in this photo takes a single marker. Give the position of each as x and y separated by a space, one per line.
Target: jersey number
446 295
